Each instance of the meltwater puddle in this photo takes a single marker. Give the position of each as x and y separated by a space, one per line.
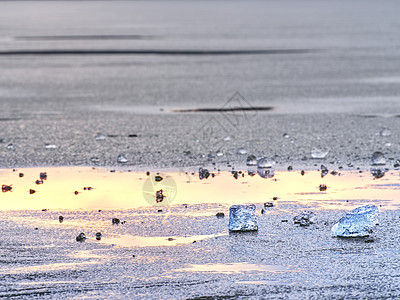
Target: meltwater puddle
142 241
76 188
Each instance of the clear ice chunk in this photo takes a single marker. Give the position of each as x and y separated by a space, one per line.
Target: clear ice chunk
10 147
357 223
219 153
241 151
266 172
100 137
377 173
306 218
385 132
122 159
265 163
319 153
251 160
243 218
95 159
50 146
378 158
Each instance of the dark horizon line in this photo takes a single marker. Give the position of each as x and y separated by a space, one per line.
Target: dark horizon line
82 37
155 52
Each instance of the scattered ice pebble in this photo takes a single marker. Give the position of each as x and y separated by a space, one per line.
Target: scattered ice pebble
377 173
6 188
251 160
323 187
319 153
122 159
100 137
306 218
286 136
220 215
378 158
241 151
385 132
265 163
81 237
243 218
95 159
115 221
160 196
266 172
203 173
358 222
50 146
219 153
227 138
10 147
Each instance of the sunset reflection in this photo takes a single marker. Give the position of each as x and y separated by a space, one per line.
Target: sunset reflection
88 188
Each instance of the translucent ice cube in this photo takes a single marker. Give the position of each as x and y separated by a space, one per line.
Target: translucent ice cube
319 153
241 151
122 159
243 218
100 137
378 158
385 132
265 163
357 223
251 160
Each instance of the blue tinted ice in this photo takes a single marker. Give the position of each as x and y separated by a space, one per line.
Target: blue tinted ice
357 223
243 218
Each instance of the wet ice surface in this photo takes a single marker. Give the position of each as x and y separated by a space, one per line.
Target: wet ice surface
183 250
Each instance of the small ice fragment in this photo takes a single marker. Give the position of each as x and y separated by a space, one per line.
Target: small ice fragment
243 218
219 153
100 137
319 153
241 151
357 223
377 173
286 136
266 172
160 196
10 147
251 160
50 146
385 132
81 237
122 159
264 163
203 173
95 159
305 218
378 158
227 138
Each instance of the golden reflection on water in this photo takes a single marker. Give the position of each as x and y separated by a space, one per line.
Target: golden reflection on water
64 189
155 241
